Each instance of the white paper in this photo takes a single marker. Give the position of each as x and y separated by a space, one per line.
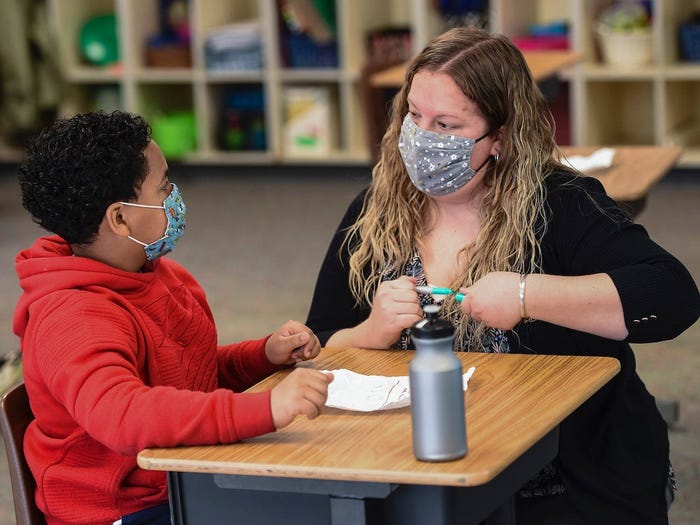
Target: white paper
597 160
362 393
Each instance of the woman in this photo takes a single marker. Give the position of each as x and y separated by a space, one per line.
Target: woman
469 193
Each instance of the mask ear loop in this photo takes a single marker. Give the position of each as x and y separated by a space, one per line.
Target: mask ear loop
137 241
487 158
482 165
141 205
136 205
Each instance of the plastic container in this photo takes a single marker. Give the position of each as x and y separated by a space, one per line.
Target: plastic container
98 40
437 395
626 49
175 133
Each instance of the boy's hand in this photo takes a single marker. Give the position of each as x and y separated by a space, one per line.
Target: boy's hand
304 391
290 343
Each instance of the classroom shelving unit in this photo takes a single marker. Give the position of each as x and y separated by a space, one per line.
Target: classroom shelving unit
654 104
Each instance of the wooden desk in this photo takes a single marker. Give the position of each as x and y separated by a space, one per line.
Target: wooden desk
634 171
542 64
345 467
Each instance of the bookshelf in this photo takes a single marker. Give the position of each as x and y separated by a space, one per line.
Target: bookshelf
654 104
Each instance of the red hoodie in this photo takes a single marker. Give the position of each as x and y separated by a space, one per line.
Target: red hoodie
115 362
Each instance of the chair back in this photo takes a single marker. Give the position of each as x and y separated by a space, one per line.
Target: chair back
376 105
15 416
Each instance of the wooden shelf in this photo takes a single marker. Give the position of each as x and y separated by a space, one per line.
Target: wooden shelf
642 106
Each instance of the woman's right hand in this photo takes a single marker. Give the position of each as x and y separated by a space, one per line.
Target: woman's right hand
395 307
304 391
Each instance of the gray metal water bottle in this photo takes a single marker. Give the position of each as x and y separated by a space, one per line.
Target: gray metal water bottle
437 395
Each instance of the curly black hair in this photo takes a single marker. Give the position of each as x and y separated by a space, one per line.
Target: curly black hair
78 166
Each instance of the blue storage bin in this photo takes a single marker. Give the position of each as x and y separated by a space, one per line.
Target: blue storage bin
690 42
304 52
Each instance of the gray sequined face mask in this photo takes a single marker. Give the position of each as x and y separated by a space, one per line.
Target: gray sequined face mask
438 163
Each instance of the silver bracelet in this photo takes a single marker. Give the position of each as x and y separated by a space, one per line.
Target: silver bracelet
521 296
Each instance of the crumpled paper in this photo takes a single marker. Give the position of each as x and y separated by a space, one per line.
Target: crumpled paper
363 393
599 159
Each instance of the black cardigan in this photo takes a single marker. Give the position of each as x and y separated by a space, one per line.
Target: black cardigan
613 451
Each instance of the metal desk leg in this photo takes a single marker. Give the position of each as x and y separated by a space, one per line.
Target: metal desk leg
503 515
345 511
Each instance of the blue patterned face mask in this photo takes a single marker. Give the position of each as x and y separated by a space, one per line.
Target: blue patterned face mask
175 210
438 163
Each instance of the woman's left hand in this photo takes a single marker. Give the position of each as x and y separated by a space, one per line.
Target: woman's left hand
493 300
291 343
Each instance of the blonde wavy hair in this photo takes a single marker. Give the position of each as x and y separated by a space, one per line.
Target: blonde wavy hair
492 73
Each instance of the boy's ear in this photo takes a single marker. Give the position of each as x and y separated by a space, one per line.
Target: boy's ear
116 220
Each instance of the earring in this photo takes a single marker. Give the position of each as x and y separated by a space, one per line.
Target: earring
496 157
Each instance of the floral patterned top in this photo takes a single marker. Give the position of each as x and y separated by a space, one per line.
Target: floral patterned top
494 340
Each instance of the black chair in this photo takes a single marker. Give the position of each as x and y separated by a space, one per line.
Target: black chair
15 416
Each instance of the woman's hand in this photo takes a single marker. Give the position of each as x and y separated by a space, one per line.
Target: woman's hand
395 307
587 303
493 300
290 343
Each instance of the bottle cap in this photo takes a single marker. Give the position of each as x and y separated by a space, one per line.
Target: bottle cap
432 326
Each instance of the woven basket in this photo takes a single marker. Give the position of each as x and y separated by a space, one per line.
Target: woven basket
626 49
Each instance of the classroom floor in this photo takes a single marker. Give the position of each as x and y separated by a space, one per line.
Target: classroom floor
255 240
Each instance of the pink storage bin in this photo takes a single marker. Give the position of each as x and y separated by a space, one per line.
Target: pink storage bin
537 43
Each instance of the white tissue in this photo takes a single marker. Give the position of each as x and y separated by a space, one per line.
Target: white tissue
362 393
597 160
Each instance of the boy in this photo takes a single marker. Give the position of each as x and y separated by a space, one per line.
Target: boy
119 344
